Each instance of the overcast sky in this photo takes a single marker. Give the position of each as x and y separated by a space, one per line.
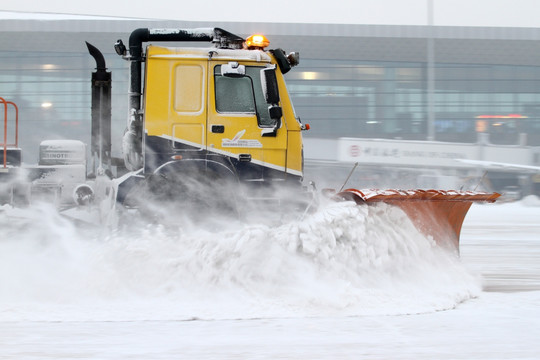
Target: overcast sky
508 13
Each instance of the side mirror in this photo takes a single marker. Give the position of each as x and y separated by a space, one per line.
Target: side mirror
233 69
275 112
270 85
271 95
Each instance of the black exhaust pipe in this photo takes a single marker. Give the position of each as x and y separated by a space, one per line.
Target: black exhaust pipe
100 146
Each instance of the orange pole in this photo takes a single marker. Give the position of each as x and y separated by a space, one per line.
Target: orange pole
5 130
16 144
16 125
5 144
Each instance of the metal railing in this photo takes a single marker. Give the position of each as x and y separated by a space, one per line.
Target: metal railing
5 144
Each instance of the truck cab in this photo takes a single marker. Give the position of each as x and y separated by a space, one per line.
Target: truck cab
211 104
212 114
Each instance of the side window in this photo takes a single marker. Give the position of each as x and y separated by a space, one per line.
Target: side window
233 94
188 91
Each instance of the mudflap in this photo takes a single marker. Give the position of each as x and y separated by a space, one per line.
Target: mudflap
435 213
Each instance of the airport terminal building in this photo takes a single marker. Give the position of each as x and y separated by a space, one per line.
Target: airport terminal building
426 85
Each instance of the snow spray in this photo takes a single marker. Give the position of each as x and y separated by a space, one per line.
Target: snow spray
344 259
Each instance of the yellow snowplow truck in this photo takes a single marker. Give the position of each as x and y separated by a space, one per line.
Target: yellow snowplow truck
215 127
201 119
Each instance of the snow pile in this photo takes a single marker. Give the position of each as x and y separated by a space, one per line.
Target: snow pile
344 259
531 200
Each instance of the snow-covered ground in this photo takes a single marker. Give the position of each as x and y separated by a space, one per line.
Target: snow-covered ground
345 283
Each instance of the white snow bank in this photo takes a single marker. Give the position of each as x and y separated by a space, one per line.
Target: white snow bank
531 200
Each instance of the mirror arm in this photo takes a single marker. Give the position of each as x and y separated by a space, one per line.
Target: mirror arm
271 132
276 113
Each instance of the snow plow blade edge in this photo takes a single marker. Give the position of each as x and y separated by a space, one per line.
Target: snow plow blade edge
436 213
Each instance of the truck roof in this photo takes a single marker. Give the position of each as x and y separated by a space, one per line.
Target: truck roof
154 51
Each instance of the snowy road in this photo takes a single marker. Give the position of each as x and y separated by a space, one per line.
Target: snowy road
499 242
504 247
493 327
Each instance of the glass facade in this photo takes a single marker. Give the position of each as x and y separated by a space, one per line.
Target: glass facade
338 98
52 92
389 100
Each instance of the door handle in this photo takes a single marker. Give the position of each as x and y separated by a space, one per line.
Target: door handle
218 129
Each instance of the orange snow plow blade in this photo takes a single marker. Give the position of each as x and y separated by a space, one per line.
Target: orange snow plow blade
435 213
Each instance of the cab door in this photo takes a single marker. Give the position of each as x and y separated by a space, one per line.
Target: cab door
239 125
174 107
